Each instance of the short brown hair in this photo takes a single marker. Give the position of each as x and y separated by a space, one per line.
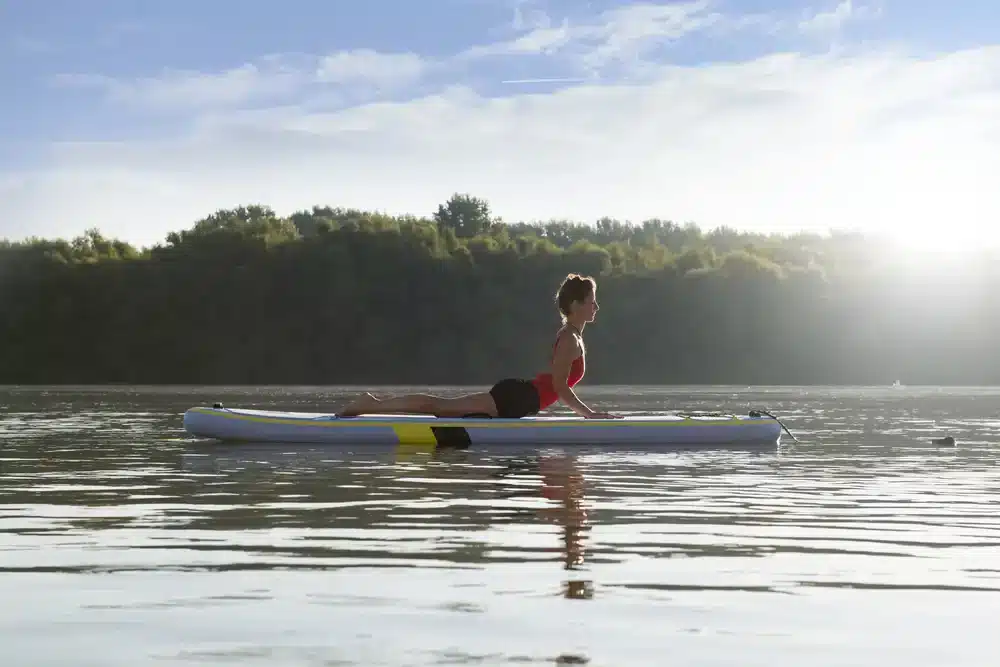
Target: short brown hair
574 288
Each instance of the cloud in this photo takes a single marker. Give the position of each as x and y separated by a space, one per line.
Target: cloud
541 39
879 140
615 33
620 36
369 65
185 89
625 31
614 36
527 17
276 77
832 21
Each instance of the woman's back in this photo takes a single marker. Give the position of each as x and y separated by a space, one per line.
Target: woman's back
544 382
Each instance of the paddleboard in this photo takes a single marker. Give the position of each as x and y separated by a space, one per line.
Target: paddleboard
250 425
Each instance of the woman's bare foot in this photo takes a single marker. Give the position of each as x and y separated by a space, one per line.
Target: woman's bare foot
360 405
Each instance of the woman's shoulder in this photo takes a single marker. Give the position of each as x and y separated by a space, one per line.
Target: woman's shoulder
567 335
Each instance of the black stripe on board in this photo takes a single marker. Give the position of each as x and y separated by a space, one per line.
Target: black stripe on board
451 437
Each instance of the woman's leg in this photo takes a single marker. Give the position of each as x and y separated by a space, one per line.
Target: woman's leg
422 404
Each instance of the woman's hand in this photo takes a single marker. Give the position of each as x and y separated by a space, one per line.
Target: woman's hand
603 415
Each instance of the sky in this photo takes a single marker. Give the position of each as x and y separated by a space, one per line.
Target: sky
140 118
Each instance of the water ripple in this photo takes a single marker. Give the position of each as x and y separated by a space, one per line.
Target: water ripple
110 517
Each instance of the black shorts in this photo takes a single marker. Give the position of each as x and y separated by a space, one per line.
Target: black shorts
515 398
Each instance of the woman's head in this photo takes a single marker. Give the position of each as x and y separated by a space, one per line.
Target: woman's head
577 297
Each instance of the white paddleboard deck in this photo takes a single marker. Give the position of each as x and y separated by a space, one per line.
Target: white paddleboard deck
251 425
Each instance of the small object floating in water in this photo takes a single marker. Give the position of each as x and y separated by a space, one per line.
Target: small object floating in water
947 441
246 425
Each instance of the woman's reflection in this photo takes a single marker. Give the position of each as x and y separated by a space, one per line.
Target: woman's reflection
564 484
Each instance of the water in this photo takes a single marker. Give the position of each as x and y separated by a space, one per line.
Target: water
124 543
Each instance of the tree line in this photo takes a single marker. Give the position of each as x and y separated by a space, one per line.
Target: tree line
344 296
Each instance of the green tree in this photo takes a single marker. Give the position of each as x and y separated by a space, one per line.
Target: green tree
344 296
466 215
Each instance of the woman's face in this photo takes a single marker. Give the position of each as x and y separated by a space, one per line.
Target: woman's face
588 307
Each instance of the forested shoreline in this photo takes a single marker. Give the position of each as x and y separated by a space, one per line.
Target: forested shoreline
336 296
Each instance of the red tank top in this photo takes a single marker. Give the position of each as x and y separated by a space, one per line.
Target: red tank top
543 382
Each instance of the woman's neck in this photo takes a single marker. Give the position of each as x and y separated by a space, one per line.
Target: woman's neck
578 326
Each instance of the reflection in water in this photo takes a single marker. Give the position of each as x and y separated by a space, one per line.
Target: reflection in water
864 538
563 483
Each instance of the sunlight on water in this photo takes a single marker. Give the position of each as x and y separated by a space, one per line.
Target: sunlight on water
122 542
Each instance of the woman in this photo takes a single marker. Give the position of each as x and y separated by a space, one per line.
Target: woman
516 397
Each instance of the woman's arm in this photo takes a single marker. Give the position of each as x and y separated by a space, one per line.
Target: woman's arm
567 349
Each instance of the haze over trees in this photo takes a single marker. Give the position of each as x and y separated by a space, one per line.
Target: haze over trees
339 296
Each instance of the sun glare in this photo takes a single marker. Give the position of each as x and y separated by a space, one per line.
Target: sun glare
943 242
940 254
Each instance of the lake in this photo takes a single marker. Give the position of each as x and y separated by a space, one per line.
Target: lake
125 543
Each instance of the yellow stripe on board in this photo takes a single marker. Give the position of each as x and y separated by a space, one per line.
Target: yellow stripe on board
415 434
